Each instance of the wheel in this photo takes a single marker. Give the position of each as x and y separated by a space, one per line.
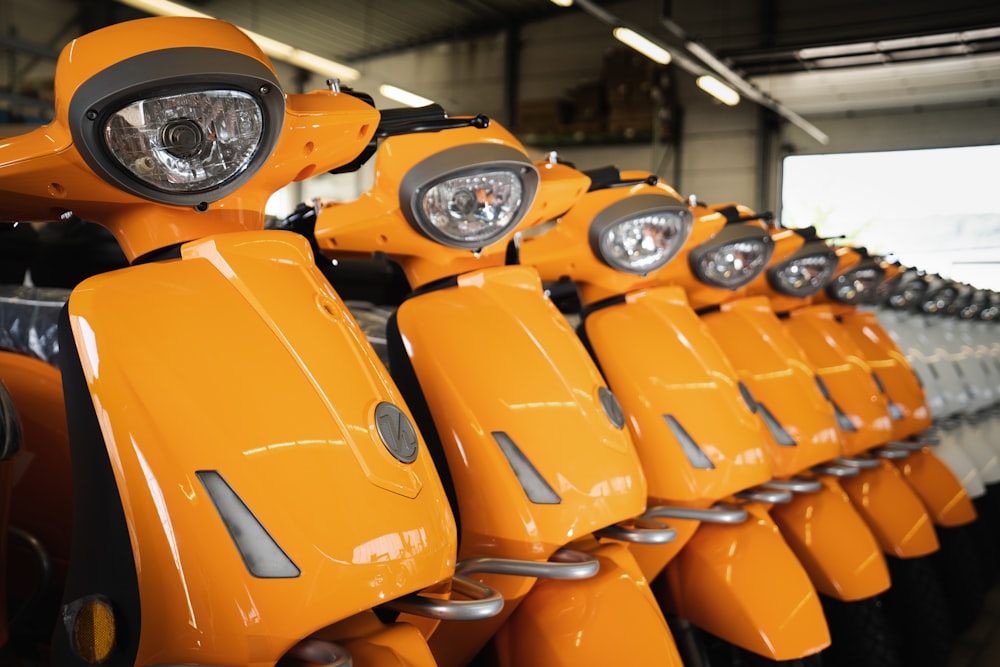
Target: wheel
960 568
861 634
917 610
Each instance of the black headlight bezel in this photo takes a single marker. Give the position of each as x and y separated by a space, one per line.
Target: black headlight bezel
457 162
867 295
166 72
731 234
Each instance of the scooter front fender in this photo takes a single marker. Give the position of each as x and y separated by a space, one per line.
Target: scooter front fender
609 619
942 493
833 543
742 583
892 510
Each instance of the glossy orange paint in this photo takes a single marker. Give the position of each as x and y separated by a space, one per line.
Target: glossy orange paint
776 369
941 491
834 544
893 511
609 619
313 371
720 578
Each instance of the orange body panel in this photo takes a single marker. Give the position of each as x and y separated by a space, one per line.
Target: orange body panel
270 338
720 578
893 511
833 542
660 360
781 378
885 358
41 501
942 493
848 377
609 619
541 389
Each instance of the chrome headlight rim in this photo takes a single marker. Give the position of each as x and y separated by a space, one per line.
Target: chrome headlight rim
165 73
729 235
811 249
462 161
834 288
630 208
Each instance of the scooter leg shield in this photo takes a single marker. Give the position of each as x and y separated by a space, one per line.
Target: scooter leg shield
963 467
609 619
833 543
742 583
893 511
942 493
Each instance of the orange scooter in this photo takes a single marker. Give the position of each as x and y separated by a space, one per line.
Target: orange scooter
730 572
793 339
529 440
221 406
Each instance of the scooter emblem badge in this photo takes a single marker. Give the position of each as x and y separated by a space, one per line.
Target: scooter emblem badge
397 432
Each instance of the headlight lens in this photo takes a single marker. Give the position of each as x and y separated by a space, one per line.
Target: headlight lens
733 257
641 233
473 210
469 196
905 291
804 273
858 284
937 300
186 143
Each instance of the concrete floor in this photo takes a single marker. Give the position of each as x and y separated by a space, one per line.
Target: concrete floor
979 646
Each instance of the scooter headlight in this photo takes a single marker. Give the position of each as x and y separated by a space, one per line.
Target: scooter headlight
469 196
143 126
733 257
937 300
905 291
857 285
640 234
193 142
805 272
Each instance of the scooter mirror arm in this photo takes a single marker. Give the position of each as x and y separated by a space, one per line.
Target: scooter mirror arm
484 602
765 495
320 653
795 485
569 564
836 471
715 514
603 178
640 530
891 454
856 462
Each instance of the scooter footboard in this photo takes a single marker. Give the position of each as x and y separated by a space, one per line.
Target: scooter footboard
743 583
892 510
942 493
609 619
833 543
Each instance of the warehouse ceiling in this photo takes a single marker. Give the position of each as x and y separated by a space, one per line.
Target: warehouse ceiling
817 57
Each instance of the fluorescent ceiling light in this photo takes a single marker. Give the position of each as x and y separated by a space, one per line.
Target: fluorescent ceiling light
403 96
718 90
272 47
642 45
563 3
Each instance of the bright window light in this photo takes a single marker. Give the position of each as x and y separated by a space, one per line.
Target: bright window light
403 96
934 209
642 45
718 90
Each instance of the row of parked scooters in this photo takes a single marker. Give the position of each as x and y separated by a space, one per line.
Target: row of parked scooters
494 411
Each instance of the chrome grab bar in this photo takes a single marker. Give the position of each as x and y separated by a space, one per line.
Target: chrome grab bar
795 485
640 530
484 602
564 564
856 462
715 514
765 495
836 471
892 454
908 445
320 653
